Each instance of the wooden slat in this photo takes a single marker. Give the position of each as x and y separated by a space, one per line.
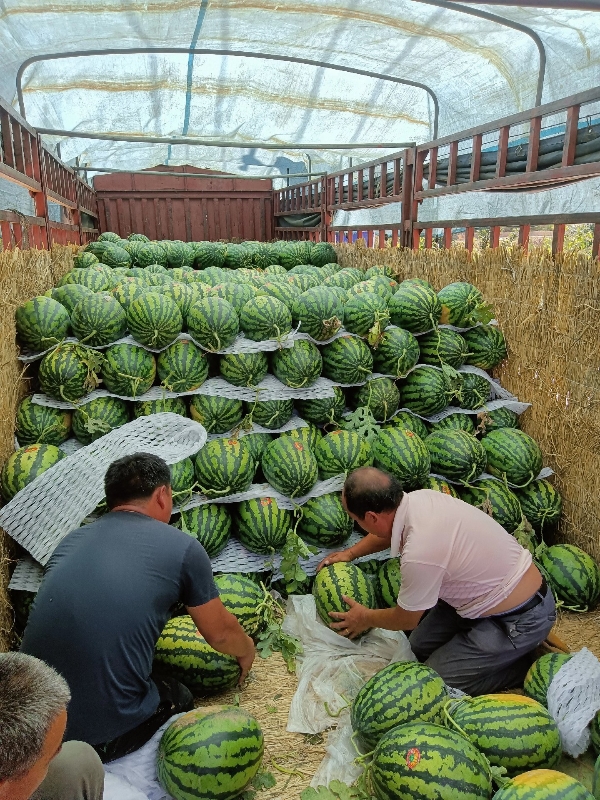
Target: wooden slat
469 239
494 236
523 240
476 157
568 156
453 155
433 154
533 150
502 151
558 238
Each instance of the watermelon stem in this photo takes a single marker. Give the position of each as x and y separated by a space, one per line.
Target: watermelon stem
336 714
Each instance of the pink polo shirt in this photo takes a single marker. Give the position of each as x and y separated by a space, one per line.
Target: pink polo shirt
452 551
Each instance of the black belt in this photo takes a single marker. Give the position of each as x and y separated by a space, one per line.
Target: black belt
534 601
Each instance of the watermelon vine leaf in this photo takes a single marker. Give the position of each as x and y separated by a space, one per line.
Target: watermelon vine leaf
362 422
525 536
262 780
336 790
273 638
293 550
484 313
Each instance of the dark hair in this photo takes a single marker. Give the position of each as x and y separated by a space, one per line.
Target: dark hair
370 489
134 477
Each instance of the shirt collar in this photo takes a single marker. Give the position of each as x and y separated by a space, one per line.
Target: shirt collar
398 527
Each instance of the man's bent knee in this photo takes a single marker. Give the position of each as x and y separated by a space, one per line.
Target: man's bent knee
76 773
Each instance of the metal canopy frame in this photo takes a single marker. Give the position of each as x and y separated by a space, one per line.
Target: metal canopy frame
220 175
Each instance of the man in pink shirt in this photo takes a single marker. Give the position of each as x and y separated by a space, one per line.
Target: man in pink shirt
474 600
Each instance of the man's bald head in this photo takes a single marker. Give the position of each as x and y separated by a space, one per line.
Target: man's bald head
370 489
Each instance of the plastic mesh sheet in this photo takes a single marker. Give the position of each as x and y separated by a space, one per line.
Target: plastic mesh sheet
573 700
27 575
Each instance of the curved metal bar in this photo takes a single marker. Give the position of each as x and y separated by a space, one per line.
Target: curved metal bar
216 52
508 23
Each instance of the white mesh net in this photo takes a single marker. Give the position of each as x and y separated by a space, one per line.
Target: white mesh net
574 699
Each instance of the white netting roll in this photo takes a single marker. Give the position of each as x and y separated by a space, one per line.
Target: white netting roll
290 425
545 472
27 575
574 699
57 501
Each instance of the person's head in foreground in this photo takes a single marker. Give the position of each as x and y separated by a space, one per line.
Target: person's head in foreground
33 717
140 482
371 497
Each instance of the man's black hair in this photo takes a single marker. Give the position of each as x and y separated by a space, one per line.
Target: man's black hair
370 489
134 477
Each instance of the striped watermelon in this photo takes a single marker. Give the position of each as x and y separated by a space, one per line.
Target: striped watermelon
415 308
380 396
99 416
115 256
456 455
98 320
387 583
512 731
265 317
319 313
109 236
322 253
238 294
150 253
347 360
224 466
182 478
154 320
500 418
84 259
366 314
542 505
543 784
272 414
443 346
69 371
408 422
439 485
397 353
261 525
128 370
69 295
41 323
244 369
322 411
324 521
398 694
474 391
297 366
24 465
461 304
308 435
541 674
216 414
573 575
97 279
455 422
184 295
304 281
337 580
380 269
241 596
403 454
512 455
182 367
125 292
207 254
486 346
41 424
345 278
341 452
257 443
157 269
497 500
290 467
283 291
425 761
213 323
426 391
164 405
183 654
210 523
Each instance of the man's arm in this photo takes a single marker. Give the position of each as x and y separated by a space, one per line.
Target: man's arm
358 619
224 633
368 544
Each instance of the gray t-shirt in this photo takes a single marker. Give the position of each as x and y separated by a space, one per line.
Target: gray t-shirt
109 589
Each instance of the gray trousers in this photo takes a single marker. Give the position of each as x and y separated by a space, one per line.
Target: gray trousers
480 656
76 773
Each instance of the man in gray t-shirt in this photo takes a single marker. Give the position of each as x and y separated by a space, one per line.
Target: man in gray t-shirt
109 589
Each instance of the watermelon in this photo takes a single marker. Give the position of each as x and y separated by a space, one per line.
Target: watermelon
109 236
258 443
210 523
512 731
462 304
456 455
425 761
216 414
41 323
242 596
224 466
318 312
380 269
426 391
183 294
500 418
289 467
324 521
298 366
124 292
322 253
347 360
69 371
179 254
573 575
345 278
398 694
150 253
271 414
497 500
403 454
164 405
366 314
98 320
275 269
24 465
415 308
542 505
207 254
237 256
281 290
69 295
182 367
308 435
157 269
380 396
99 416
154 320
397 353
512 456
183 654
486 346
213 323
41 424
238 294
261 525
340 452
115 256
128 370
337 580
325 410
443 346
541 674
439 485
474 391
244 369
85 259
182 478
265 317
387 583
138 237
408 422
455 422
98 279
543 784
